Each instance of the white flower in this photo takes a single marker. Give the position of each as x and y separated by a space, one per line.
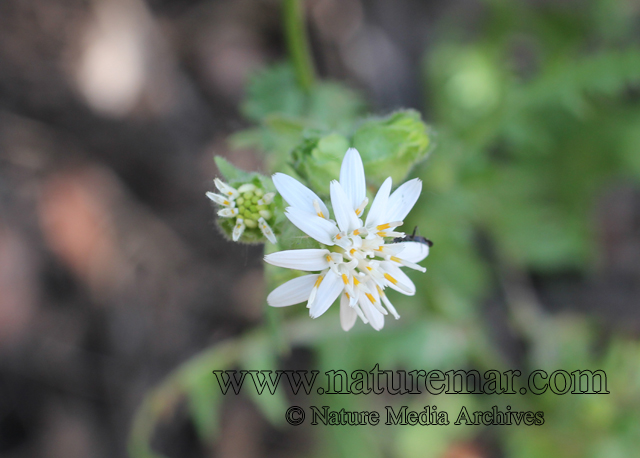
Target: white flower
248 204
357 263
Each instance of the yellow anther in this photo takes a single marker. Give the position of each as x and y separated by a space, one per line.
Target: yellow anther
369 268
380 290
356 232
321 215
395 259
226 202
384 226
328 258
318 281
370 297
391 279
345 279
358 211
355 281
351 251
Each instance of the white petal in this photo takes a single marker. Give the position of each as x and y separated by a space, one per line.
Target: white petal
414 251
266 230
400 282
348 314
238 229
228 212
328 292
344 212
376 319
402 200
352 177
318 228
225 189
309 259
220 199
379 206
298 195
292 292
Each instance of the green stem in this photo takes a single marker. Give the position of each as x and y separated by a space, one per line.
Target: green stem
298 44
278 337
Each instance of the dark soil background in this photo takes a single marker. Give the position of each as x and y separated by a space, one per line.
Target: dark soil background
111 269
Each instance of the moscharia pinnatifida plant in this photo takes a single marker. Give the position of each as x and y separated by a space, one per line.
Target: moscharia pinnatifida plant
352 257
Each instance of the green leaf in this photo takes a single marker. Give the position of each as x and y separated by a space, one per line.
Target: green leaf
231 173
273 90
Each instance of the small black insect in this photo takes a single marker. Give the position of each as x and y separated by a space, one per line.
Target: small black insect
414 238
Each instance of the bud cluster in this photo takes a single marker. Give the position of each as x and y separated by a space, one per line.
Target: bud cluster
247 211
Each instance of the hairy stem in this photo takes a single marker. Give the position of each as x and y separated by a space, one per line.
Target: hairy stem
298 44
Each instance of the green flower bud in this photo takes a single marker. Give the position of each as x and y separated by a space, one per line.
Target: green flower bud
391 146
318 160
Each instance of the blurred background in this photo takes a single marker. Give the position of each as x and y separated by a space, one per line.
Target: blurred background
113 273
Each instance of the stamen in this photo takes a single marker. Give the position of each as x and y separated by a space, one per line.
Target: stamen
316 206
382 227
362 206
314 290
370 297
390 234
391 279
409 264
345 279
388 303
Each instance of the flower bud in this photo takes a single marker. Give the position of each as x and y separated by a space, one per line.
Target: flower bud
391 146
246 205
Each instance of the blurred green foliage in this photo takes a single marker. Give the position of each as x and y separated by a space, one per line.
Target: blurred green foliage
537 112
